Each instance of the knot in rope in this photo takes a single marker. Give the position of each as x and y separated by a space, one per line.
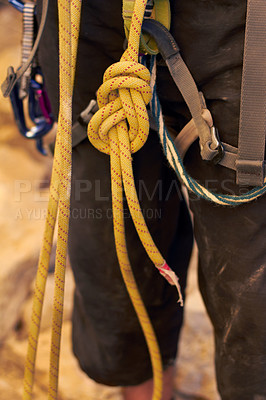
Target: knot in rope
120 128
123 96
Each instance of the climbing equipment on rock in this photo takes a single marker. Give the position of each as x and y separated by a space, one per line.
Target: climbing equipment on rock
29 85
59 204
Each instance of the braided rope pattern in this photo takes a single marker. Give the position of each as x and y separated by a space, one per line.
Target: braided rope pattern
59 203
176 163
123 96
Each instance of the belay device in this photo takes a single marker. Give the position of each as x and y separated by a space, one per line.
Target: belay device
118 132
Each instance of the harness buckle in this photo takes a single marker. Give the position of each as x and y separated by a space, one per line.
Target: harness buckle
86 115
217 145
213 150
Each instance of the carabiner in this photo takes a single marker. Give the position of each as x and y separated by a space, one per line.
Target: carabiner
18 4
39 111
39 108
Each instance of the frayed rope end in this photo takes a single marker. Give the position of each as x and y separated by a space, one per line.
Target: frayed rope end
172 278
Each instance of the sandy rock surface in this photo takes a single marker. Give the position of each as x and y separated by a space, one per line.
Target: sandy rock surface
24 176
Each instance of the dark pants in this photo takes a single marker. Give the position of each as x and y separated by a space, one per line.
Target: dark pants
107 337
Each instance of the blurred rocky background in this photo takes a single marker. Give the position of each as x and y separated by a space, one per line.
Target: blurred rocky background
24 181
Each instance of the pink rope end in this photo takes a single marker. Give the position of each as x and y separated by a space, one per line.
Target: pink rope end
172 278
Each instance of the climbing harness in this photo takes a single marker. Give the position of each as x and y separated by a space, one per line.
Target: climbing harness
119 128
176 163
29 87
211 147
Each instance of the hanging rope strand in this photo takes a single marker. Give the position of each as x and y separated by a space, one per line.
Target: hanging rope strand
69 17
124 94
121 248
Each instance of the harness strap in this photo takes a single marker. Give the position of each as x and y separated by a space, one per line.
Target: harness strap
251 146
189 134
210 148
248 159
12 76
176 163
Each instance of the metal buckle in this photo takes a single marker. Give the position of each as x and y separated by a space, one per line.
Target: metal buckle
86 115
212 150
216 146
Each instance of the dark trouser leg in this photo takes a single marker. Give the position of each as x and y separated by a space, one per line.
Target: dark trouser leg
231 241
232 277
107 338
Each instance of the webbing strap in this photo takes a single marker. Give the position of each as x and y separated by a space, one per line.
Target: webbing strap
185 83
176 162
189 134
251 146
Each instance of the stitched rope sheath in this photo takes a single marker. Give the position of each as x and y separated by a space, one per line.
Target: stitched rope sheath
59 202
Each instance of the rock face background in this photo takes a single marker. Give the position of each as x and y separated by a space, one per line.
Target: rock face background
24 179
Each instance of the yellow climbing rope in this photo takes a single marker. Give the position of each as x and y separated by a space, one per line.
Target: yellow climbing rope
59 201
120 128
122 101
156 9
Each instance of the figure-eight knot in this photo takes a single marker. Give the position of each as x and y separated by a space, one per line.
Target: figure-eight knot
124 94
